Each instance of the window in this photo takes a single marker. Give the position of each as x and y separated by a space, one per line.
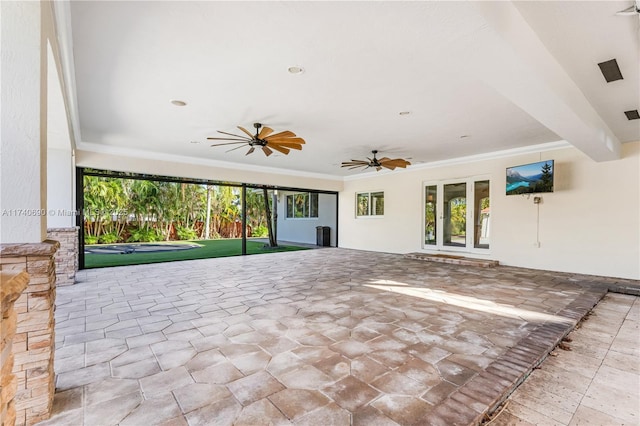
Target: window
370 204
302 205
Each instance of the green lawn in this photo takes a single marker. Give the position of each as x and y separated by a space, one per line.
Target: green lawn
209 249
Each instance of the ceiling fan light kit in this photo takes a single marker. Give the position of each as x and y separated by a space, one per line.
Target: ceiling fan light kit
376 163
264 138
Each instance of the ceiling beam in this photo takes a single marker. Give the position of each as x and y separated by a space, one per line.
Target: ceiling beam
524 71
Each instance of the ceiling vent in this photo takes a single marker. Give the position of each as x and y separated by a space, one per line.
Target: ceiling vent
632 115
610 70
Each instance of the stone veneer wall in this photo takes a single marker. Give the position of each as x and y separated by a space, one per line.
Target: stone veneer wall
11 287
33 344
67 256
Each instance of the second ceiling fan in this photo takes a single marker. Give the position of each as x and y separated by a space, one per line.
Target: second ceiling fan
376 163
265 138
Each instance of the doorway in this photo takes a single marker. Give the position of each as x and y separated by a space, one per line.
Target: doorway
457 215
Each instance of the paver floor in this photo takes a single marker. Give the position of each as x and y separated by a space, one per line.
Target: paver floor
594 380
318 337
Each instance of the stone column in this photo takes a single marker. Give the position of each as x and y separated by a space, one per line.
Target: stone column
66 257
11 287
33 344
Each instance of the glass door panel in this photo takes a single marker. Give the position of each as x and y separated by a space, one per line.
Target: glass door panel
482 210
454 224
430 215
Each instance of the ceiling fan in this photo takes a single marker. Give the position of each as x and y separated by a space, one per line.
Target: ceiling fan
282 142
377 163
631 10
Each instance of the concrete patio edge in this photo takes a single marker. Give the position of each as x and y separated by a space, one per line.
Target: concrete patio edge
502 377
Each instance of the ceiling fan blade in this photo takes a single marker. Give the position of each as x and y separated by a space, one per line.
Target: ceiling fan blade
233 149
267 151
235 136
294 140
246 131
227 139
389 160
631 10
388 166
266 131
253 148
281 149
229 143
394 165
285 134
403 162
399 162
355 164
285 145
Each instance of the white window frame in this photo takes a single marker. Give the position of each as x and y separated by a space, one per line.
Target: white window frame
369 205
309 194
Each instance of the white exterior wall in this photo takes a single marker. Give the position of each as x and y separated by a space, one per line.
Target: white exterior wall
60 187
23 64
303 230
589 225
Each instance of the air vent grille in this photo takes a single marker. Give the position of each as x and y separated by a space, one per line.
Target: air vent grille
632 115
610 70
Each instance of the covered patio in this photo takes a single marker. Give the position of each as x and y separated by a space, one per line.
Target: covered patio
331 336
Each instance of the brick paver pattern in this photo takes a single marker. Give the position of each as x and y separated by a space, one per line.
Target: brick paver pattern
318 337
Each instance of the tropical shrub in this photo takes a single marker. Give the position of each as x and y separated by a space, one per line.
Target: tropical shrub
149 210
144 235
90 239
108 238
260 231
185 233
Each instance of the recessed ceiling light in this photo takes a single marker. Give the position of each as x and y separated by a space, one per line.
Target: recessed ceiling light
295 70
405 112
177 102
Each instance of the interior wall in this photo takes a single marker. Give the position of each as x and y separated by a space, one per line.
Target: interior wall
589 225
303 230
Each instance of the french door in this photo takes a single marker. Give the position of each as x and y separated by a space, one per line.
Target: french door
457 215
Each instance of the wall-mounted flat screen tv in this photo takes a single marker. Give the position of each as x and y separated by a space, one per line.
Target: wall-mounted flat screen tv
530 178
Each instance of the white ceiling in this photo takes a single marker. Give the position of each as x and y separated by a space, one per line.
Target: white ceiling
508 75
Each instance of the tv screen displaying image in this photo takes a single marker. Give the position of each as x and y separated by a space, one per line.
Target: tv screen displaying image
530 178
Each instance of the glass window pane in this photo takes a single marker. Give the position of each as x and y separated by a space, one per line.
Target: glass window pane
289 205
299 205
481 208
362 205
430 215
314 205
377 203
455 215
